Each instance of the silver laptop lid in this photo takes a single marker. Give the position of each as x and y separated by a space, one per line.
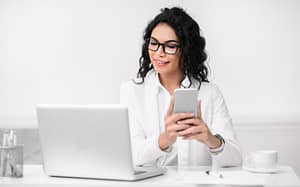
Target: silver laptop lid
90 141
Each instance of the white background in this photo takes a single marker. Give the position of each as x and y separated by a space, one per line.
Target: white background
80 51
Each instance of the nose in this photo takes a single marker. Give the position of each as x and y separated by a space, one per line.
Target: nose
160 51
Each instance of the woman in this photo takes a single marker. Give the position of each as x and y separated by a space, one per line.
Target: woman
173 56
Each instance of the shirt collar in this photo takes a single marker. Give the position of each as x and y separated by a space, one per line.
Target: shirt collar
158 83
184 84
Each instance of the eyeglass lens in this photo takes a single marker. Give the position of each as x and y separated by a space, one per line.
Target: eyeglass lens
169 47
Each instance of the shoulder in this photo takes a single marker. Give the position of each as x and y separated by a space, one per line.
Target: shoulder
134 89
128 84
132 84
137 84
129 87
209 87
210 90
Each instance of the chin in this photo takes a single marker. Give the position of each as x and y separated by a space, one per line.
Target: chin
162 71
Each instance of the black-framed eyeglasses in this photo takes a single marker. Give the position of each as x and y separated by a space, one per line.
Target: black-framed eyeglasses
170 47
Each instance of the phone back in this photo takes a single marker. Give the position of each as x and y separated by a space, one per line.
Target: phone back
185 100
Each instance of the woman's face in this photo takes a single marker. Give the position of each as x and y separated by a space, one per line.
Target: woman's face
165 62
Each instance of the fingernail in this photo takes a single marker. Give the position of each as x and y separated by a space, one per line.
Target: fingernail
191 114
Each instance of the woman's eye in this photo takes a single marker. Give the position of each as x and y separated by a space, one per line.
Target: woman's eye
153 43
171 46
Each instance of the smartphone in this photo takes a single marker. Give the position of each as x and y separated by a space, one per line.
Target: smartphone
185 100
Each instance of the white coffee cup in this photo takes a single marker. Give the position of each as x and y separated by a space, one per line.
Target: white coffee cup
264 159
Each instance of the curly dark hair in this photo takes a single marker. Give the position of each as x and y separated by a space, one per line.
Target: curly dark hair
193 55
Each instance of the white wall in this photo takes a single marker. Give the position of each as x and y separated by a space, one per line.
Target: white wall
76 51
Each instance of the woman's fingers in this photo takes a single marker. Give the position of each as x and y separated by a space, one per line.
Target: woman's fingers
191 121
178 117
172 128
177 128
191 130
197 132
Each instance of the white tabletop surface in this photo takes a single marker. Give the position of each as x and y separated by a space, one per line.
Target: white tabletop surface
196 176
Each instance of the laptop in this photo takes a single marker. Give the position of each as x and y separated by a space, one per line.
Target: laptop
89 141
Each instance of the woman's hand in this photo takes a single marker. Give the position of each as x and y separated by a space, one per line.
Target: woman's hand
172 127
198 130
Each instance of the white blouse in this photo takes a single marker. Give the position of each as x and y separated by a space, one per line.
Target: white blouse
147 104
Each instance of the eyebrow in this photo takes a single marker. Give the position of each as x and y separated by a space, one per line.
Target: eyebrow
165 41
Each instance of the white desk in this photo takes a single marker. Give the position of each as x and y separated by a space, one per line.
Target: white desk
34 176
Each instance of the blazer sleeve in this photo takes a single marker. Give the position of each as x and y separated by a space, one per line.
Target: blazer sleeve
222 124
145 150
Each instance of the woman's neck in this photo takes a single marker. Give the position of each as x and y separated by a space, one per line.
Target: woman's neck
171 81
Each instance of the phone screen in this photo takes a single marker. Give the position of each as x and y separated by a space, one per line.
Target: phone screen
185 100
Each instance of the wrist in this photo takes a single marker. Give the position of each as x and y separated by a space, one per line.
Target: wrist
217 150
163 142
214 142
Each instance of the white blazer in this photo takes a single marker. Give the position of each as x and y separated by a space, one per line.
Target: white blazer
142 103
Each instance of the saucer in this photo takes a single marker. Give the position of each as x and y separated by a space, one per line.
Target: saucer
261 170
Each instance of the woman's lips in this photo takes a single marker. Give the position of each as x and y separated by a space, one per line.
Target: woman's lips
161 63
